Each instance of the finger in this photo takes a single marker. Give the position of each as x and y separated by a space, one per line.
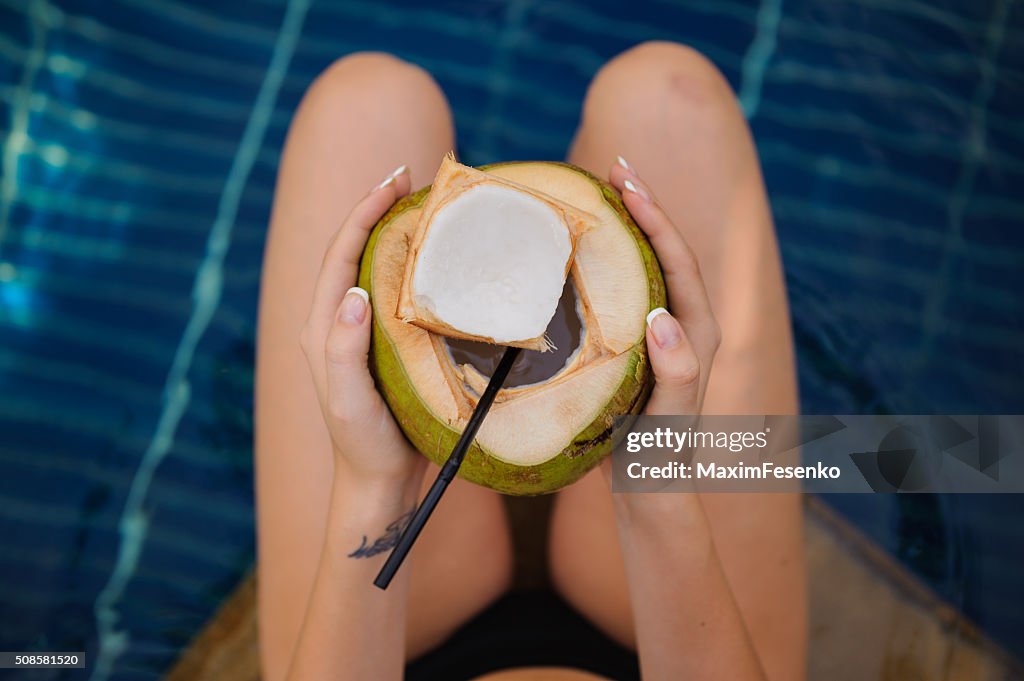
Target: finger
678 262
340 265
349 385
688 297
677 369
351 238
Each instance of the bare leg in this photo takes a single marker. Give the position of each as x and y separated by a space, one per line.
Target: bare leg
672 115
366 115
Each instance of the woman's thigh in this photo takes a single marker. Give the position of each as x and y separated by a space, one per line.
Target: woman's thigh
674 118
364 116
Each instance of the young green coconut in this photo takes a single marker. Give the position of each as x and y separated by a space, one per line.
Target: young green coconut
483 255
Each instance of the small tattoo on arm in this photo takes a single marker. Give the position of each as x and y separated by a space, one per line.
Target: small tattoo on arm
386 541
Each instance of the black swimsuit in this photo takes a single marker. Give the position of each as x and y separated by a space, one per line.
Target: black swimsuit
525 629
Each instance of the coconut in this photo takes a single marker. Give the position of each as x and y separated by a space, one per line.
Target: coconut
484 255
488 259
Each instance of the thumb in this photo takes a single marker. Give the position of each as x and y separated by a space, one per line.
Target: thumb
348 343
676 367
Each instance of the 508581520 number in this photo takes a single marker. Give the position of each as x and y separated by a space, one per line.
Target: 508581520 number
38 660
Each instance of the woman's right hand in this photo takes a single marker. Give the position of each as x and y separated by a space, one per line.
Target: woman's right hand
681 344
370 450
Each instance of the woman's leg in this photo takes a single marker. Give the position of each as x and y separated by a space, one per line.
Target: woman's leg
366 115
673 117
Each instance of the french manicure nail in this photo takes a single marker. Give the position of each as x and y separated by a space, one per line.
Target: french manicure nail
666 330
399 170
387 180
622 162
636 189
353 306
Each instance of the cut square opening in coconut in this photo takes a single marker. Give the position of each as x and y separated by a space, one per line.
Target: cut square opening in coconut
489 259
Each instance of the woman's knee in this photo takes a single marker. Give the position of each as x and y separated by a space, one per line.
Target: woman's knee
379 85
652 78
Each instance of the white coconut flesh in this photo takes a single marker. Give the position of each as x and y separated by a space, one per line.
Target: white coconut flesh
492 264
531 424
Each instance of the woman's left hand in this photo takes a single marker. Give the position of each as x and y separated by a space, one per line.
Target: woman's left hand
370 452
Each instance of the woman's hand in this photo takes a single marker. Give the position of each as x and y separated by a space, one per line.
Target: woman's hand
370 452
681 344
688 624
351 630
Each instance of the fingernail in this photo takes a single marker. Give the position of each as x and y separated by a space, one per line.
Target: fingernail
353 306
388 180
622 162
391 177
666 330
636 189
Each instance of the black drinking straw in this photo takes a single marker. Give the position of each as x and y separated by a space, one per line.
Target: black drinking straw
448 471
